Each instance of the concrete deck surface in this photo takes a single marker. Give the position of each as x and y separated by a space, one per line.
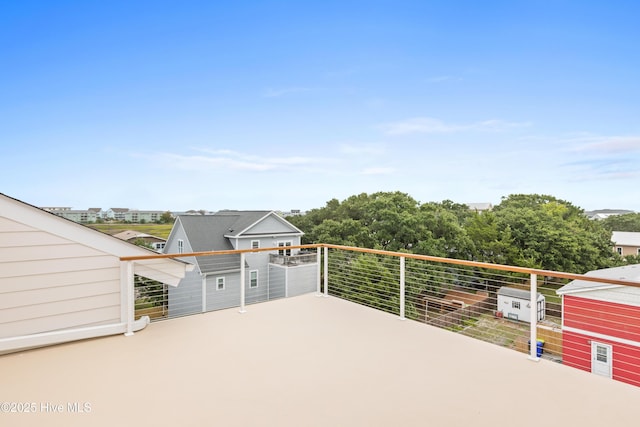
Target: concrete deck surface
304 361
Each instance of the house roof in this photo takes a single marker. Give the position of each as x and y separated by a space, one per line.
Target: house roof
626 238
131 234
212 233
627 272
245 220
168 271
206 233
516 293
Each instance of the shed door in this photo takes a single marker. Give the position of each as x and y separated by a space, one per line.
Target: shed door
601 359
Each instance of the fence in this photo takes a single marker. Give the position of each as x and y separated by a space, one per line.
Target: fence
505 305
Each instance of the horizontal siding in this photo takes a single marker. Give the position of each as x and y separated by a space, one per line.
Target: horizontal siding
49 252
49 283
576 350
613 319
8 226
55 280
52 294
26 268
32 311
97 316
626 358
30 238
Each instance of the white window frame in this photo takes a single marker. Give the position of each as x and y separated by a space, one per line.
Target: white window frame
283 244
255 244
180 246
220 279
251 279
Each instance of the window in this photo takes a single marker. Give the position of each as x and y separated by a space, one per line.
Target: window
638 251
253 279
515 304
602 354
180 246
286 252
619 250
219 283
255 244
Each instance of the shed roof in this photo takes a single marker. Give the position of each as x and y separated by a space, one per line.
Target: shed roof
627 272
516 293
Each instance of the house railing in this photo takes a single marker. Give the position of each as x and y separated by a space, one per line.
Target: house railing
292 260
457 295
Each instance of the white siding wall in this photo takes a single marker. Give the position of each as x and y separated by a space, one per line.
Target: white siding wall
50 283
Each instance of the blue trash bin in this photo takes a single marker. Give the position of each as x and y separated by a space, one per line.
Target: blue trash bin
539 346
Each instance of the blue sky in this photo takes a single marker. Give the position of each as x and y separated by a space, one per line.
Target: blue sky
286 105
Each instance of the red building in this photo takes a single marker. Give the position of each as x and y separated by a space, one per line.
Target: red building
601 325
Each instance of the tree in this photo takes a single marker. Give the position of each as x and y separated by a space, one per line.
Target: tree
626 222
166 218
552 234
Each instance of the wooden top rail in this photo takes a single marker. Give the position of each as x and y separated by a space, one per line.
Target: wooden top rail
441 260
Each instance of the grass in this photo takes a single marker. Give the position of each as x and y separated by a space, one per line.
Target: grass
158 230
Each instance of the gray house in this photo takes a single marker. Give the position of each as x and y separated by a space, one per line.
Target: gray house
214 283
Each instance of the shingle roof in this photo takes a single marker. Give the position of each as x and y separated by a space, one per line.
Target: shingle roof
239 220
627 272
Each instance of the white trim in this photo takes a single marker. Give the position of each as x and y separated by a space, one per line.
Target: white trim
257 278
283 244
203 290
224 283
11 344
255 241
601 336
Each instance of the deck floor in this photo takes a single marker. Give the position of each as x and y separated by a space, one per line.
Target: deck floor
303 361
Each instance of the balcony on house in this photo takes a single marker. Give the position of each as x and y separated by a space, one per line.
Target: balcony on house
300 258
384 339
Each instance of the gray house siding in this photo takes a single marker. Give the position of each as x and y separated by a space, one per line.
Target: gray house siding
187 297
302 280
227 297
237 230
269 225
277 281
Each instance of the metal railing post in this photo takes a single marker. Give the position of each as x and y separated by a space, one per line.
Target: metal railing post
319 271
326 272
130 303
242 283
533 317
402 288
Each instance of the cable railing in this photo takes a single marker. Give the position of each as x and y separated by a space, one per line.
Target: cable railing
587 322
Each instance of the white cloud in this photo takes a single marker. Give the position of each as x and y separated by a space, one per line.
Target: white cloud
363 149
433 125
610 144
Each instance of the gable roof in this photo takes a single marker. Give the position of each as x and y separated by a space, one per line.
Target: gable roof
627 272
213 233
516 293
165 270
626 238
246 220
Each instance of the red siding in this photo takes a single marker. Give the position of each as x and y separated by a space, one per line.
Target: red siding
576 350
608 318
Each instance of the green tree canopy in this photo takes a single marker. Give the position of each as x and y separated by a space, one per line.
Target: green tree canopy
626 222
